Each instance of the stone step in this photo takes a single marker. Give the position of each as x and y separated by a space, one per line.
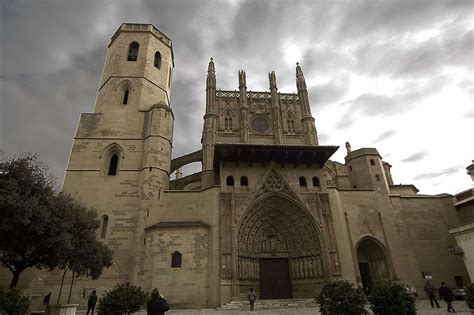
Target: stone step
263 304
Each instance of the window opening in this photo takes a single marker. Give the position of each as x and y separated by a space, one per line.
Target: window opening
372 162
176 260
125 97
316 181
230 181
133 51
244 181
377 177
113 165
157 61
105 221
303 181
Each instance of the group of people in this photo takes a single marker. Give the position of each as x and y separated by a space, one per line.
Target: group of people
156 305
445 293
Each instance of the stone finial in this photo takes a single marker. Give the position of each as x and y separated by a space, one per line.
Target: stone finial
348 147
179 172
211 69
272 78
242 79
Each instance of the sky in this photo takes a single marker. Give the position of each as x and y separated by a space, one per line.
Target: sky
394 75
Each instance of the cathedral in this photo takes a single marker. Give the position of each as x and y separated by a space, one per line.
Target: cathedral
269 210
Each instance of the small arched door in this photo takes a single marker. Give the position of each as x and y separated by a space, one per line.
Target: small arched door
372 262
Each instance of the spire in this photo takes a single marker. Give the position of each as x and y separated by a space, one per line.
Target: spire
300 81
211 74
272 78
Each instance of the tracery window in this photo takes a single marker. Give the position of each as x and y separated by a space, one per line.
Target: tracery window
244 181
230 181
133 51
157 61
105 221
176 259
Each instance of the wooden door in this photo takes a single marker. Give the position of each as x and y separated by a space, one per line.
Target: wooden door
275 280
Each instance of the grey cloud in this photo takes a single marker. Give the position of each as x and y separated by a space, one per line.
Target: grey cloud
469 114
323 137
446 171
385 135
416 156
345 121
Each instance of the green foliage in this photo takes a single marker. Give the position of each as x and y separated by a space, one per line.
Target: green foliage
389 297
42 228
342 298
122 299
470 295
12 302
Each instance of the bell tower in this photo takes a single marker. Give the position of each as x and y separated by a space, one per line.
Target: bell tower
121 156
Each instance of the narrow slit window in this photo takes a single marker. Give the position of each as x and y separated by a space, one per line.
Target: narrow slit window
105 222
176 259
316 182
244 181
157 61
113 165
133 51
125 97
230 181
372 162
303 181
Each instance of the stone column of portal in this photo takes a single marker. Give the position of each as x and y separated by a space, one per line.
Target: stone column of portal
244 130
210 128
309 128
275 107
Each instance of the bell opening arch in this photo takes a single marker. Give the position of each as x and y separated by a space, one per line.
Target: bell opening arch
280 252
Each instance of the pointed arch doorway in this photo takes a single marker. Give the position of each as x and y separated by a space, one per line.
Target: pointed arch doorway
372 262
279 249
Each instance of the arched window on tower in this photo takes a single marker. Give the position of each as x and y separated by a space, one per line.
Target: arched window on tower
176 259
125 97
105 222
303 181
157 62
113 165
133 51
244 181
230 181
316 182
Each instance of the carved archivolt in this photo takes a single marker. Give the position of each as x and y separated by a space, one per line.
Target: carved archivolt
277 225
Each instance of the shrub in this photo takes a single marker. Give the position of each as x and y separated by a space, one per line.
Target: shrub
12 302
122 299
470 295
388 297
342 298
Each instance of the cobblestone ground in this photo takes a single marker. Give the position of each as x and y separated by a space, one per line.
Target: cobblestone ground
423 307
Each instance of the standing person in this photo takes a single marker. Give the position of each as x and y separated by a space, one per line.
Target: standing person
157 304
252 297
446 294
430 290
46 299
91 303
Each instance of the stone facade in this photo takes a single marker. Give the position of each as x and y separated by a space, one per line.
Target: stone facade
268 211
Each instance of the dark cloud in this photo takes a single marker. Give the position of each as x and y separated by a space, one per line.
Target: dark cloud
416 157
385 135
443 172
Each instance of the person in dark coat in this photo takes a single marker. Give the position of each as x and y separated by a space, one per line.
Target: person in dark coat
46 299
430 290
252 297
446 294
157 305
91 302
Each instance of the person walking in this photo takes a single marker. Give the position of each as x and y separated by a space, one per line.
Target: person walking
252 298
430 290
46 299
446 294
92 302
157 305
